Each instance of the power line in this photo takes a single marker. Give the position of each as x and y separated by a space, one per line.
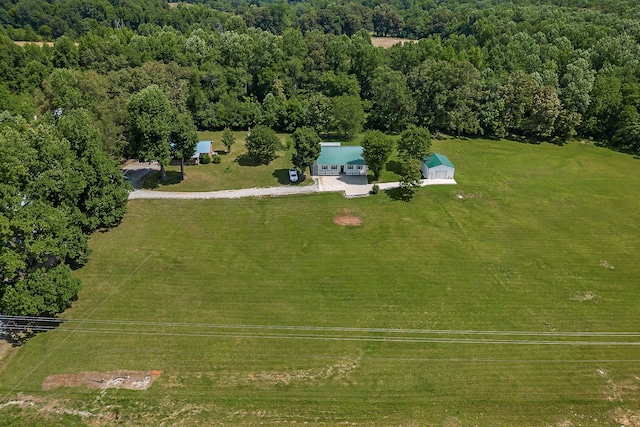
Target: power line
58 321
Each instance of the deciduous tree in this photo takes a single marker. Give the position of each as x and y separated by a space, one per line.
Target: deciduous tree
184 138
377 148
306 145
150 125
228 139
262 144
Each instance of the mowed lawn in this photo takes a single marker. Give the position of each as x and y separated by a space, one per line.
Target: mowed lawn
511 299
234 171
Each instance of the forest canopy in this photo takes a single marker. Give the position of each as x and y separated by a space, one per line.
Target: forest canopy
544 70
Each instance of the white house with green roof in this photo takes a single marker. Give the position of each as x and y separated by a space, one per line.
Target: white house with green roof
336 160
437 166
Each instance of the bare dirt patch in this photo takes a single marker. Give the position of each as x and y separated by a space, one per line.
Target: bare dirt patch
346 219
130 380
585 296
338 370
387 42
627 418
606 264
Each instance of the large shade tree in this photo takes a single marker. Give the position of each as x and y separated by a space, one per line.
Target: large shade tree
376 150
150 126
262 144
306 145
56 187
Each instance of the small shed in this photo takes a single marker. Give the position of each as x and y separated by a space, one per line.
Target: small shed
437 166
335 160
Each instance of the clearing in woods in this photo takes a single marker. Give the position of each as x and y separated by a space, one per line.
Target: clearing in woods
493 302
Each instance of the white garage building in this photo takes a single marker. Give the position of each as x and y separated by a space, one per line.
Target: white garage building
336 159
437 166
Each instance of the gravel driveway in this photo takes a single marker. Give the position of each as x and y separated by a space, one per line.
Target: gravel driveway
225 194
350 186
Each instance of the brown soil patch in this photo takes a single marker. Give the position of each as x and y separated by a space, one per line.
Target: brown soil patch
347 220
50 44
130 380
387 42
627 418
606 264
585 296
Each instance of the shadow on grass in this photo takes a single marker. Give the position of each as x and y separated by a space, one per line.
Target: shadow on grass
394 166
244 160
153 181
16 331
332 137
282 175
399 194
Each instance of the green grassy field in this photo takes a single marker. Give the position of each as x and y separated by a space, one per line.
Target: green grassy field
497 302
232 172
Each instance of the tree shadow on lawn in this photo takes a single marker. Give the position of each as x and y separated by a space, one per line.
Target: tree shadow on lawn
394 166
397 194
16 331
153 181
245 160
282 175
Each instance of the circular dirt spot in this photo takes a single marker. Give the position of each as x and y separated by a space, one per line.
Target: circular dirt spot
345 219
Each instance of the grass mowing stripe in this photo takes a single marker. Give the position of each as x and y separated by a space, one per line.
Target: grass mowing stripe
533 244
69 334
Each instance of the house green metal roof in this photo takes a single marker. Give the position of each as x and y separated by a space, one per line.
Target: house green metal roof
347 155
436 159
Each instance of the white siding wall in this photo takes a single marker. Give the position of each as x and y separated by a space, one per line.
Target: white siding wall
323 170
355 169
329 170
437 172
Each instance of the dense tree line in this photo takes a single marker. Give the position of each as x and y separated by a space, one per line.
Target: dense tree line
541 71
56 187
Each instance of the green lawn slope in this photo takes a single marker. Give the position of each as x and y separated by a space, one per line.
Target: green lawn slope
509 299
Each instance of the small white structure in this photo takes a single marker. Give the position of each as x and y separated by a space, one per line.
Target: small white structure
336 160
437 166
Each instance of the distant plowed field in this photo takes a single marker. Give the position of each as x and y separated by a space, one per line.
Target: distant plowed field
387 42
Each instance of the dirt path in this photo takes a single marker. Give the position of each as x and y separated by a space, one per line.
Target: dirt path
225 194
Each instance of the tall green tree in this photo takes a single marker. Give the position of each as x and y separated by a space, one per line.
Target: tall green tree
228 139
409 177
56 186
346 115
103 199
306 145
184 138
262 144
376 150
414 143
150 126
393 106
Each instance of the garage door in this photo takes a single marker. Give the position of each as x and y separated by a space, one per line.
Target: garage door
441 174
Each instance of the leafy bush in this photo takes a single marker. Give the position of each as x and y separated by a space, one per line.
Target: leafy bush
375 189
205 159
228 169
215 159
